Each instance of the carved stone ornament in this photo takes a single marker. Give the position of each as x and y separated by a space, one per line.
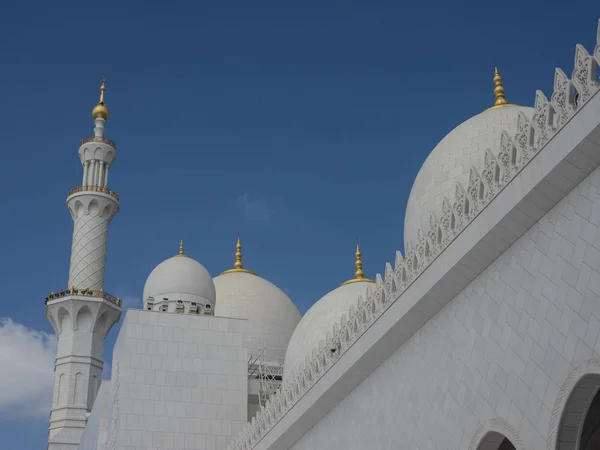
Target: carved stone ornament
597 48
584 75
563 97
542 119
524 138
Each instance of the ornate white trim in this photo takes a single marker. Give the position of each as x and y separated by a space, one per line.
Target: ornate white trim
496 426
586 368
498 171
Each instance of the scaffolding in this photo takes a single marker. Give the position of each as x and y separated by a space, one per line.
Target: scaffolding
269 373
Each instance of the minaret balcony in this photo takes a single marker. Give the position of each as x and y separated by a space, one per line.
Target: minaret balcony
83 293
103 139
104 190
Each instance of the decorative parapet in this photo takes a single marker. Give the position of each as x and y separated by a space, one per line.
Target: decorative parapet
94 189
83 292
104 140
485 183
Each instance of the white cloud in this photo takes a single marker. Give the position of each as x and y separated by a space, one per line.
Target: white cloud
255 207
27 357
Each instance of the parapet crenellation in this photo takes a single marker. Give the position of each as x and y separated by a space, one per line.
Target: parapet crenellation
102 139
84 293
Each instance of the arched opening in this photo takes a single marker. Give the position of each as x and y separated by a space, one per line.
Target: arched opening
590 433
64 321
84 319
78 397
506 445
495 441
61 396
580 422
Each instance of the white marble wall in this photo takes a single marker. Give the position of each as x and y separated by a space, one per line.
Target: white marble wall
97 427
499 352
182 381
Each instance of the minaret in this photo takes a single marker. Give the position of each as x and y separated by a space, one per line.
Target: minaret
359 275
83 314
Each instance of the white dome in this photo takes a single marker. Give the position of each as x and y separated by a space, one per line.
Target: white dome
317 322
272 316
183 277
451 160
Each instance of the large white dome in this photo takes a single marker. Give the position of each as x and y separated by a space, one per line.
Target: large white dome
181 277
451 160
317 322
272 316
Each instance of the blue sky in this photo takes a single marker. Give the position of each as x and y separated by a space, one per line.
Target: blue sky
299 127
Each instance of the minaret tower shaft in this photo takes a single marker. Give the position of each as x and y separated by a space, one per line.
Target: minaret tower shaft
83 314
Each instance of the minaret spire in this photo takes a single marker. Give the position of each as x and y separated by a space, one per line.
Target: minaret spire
83 313
100 113
237 265
359 275
100 110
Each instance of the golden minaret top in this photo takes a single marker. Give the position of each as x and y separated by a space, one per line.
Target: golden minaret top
100 111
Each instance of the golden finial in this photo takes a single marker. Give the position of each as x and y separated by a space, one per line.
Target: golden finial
359 275
181 248
237 265
100 111
499 91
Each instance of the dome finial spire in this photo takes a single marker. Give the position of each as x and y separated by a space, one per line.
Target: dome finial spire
238 255
237 265
499 92
359 275
498 89
181 248
100 111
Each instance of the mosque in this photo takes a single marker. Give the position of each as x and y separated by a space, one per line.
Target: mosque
483 335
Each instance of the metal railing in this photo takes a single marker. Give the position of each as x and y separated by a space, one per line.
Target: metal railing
98 139
85 293
94 189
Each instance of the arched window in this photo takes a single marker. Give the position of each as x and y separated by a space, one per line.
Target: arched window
78 397
61 392
590 432
579 427
495 441
496 434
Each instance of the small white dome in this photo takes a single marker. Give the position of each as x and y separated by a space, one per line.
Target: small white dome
317 322
451 160
272 316
183 277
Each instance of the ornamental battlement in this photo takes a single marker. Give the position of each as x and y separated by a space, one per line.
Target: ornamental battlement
485 183
102 139
102 189
83 293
